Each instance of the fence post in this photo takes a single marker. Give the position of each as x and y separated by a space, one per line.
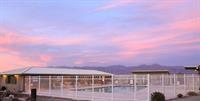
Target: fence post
135 86
112 88
39 83
29 84
174 84
148 87
92 87
184 82
61 86
76 86
163 84
199 82
193 84
49 85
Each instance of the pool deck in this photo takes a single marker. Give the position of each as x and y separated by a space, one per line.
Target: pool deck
140 95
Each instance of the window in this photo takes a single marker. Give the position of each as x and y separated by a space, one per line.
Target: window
11 79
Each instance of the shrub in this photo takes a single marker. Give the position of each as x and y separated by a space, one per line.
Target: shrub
3 88
191 93
180 95
157 96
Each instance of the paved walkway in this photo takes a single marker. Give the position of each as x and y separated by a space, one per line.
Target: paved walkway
192 98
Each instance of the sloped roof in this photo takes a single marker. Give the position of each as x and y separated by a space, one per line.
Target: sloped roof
53 71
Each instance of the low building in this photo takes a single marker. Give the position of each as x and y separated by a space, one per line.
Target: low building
47 80
152 72
155 76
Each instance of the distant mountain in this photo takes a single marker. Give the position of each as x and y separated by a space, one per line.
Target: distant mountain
121 69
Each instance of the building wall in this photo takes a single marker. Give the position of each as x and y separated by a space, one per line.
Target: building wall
13 87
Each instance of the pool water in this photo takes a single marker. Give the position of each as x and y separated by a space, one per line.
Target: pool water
116 89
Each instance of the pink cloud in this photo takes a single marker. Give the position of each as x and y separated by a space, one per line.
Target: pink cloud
187 42
142 42
148 5
11 61
115 3
12 57
45 58
9 37
164 4
79 62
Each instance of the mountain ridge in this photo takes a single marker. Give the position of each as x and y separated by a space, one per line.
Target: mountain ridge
121 69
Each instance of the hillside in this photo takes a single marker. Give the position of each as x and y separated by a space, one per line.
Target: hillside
121 69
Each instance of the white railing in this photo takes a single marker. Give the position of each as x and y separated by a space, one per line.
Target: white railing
113 88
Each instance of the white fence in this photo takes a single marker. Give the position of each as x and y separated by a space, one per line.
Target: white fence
113 88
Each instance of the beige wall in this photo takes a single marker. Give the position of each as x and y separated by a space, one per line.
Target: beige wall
13 87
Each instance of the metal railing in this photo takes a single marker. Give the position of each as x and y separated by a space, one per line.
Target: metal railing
113 88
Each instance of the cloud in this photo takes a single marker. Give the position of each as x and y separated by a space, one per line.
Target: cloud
11 41
175 33
12 61
162 5
115 4
45 58
19 49
152 5
8 36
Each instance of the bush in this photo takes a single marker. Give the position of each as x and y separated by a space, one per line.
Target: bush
157 96
3 88
180 95
191 93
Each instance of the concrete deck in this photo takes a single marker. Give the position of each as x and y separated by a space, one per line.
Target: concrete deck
140 95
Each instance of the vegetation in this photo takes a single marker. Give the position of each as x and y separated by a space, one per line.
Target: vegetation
191 93
3 88
180 95
157 96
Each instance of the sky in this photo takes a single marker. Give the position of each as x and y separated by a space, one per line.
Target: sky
99 32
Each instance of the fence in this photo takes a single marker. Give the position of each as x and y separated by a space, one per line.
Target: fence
113 88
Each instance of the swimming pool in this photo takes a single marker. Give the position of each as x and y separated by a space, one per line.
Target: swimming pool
116 89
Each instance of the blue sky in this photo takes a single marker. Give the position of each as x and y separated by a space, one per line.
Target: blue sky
99 32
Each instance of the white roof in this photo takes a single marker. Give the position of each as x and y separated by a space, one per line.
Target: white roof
54 71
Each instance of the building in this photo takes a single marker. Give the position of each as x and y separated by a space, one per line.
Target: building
193 68
48 80
156 72
155 75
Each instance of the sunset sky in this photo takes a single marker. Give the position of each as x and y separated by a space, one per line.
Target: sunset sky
99 32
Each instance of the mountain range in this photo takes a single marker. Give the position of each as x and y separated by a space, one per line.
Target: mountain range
121 69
